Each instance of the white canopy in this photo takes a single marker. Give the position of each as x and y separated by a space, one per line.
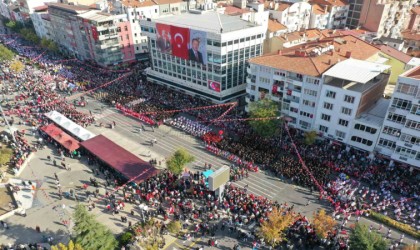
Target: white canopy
356 70
67 124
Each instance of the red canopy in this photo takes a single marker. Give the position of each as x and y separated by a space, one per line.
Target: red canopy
61 137
132 167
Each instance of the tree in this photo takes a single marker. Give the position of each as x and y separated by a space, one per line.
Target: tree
29 35
273 229
174 227
362 239
13 25
126 238
323 223
263 109
89 233
6 54
178 160
49 44
17 66
310 137
70 246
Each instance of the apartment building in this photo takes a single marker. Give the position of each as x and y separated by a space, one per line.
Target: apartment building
42 22
351 88
400 136
106 38
294 76
337 13
203 53
27 7
319 17
353 17
294 15
386 17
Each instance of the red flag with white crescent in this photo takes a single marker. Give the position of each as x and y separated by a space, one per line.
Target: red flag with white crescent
180 40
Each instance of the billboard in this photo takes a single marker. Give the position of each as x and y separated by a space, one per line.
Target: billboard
215 86
163 38
219 178
198 46
181 42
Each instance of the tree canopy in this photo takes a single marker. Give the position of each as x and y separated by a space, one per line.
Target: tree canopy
310 137
17 66
273 229
179 160
89 233
323 223
362 239
263 109
70 246
6 54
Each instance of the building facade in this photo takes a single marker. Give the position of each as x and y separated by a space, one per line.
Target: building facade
42 22
337 10
294 15
400 136
203 53
353 17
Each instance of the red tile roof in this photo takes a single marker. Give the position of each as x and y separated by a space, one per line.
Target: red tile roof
274 26
316 65
400 56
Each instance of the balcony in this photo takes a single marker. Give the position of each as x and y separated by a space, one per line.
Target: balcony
249 80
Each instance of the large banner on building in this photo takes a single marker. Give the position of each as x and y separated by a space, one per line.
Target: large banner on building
215 86
180 42
197 49
163 38
95 34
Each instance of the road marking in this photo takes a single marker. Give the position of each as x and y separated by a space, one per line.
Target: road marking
169 244
259 193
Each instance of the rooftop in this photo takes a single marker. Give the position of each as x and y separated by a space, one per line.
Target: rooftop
330 2
413 73
67 7
159 2
207 21
400 56
283 6
97 16
274 26
233 10
416 10
306 64
318 9
137 3
375 115
415 61
41 8
411 35
385 39
356 70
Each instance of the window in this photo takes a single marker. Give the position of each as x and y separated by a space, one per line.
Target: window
306 114
323 128
330 94
415 110
391 131
396 118
308 103
407 89
349 99
364 128
312 80
401 104
328 105
304 125
125 28
413 125
310 92
264 80
410 139
387 143
343 122
361 140
340 134
346 111
406 152
326 117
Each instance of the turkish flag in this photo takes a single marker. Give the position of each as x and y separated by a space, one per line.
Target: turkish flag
180 40
214 85
274 90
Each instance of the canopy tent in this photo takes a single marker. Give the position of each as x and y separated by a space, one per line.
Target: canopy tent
61 137
126 163
72 127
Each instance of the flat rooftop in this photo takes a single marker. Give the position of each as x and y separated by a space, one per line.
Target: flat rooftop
357 86
206 21
375 115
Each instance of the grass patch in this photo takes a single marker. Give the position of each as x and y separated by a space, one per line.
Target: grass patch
6 154
407 229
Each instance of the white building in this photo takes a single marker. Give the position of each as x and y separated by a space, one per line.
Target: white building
217 72
400 136
337 12
42 22
294 15
319 17
350 88
293 77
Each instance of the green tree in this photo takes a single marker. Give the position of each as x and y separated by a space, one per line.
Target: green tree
265 108
89 233
30 35
49 44
13 25
362 239
17 66
174 227
178 160
70 246
126 238
273 231
5 53
310 137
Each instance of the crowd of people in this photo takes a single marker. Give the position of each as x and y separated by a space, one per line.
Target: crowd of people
368 183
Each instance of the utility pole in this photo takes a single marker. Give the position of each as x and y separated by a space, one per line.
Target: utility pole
7 123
